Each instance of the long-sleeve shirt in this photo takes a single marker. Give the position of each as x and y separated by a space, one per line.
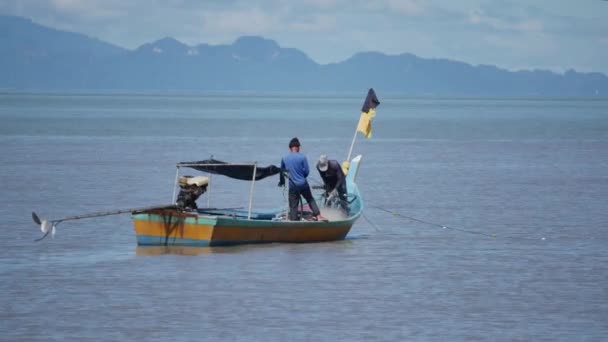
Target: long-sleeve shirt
333 177
297 166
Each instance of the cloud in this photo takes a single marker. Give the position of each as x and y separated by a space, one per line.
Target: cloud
254 21
315 23
322 4
407 7
538 44
506 32
92 9
480 18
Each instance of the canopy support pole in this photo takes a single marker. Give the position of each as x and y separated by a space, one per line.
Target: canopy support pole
255 167
209 192
175 184
209 188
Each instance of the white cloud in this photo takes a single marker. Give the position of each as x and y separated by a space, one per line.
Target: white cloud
322 4
407 7
478 17
68 4
91 9
536 44
315 23
254 21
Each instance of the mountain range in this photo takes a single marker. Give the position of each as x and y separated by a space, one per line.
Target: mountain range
35 58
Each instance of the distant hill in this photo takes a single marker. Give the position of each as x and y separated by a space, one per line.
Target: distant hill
37 58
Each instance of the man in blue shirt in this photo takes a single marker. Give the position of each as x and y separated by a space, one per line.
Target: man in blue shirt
296 164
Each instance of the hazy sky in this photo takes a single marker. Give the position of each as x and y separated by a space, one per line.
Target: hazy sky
515 34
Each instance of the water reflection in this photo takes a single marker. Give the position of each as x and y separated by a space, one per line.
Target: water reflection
184 250
191 251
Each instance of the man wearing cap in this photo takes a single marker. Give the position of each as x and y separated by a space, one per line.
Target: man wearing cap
333 179
296 164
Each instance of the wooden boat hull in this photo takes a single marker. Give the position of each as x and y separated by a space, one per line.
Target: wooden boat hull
174 228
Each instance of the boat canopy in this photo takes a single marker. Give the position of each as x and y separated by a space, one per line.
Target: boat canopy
236 171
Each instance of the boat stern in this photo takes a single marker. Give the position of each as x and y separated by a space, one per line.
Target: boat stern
172 228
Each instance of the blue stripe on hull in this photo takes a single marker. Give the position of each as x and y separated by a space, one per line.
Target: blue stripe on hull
150 240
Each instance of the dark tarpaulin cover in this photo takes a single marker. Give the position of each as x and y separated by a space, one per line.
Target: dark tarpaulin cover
239 171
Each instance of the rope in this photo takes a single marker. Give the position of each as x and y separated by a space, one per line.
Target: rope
435 224
451 228
170 227
370 222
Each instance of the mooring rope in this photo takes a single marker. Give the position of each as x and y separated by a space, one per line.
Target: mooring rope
442 226
451 228
370 222
170 227
434 224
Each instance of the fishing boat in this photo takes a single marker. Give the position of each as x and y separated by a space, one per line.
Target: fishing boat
183 223
221 227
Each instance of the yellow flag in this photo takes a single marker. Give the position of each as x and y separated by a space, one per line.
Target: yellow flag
372 113
368 112
365 124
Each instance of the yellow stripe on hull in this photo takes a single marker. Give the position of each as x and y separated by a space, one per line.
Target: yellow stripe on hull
173 230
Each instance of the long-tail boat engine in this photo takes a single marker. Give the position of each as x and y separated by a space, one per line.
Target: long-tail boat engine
191 188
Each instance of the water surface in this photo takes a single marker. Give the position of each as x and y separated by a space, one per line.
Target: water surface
520 184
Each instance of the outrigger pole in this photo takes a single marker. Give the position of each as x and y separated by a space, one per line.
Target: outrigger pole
48 226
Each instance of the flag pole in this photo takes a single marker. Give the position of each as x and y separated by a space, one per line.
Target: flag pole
352 145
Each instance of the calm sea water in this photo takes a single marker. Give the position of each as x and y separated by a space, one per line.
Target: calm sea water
520 184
